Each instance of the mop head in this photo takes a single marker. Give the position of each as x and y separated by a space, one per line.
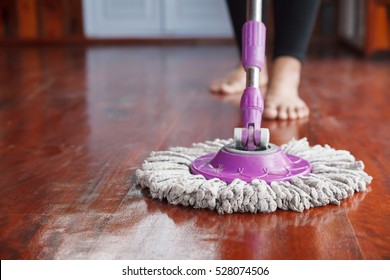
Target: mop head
335 176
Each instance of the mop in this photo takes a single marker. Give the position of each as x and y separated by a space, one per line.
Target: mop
248 173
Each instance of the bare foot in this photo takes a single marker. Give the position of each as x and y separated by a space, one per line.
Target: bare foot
234 82
282 100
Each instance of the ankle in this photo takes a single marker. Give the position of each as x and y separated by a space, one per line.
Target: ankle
287 62
286 72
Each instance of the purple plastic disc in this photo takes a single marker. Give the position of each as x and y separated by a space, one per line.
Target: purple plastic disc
269 165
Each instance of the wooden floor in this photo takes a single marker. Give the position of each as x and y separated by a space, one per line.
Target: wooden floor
76 123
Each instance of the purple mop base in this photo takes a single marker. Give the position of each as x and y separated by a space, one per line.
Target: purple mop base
269 165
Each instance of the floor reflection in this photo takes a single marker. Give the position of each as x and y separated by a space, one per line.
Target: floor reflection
257 236
39 142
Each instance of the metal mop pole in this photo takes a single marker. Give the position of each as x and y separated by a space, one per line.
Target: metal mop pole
251 137
253 13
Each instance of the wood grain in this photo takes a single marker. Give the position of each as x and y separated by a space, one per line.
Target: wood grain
73 18
52 16
2 20
8 22
377 27
77 122
27 15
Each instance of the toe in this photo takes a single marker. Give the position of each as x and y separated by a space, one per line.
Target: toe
282 113
270 112
302 112
292 114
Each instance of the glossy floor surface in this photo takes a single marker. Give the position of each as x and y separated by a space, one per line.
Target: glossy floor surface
76 123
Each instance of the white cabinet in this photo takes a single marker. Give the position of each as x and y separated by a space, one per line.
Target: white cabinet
197 17
156 18
121 18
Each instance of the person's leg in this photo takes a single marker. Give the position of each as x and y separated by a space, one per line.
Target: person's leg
294 21
237 12
234 82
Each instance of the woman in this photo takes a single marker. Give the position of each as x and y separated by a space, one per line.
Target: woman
294 21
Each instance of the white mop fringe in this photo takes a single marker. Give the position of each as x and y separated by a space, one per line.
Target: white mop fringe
335 176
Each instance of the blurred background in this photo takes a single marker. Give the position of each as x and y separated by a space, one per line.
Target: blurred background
88 88
362 25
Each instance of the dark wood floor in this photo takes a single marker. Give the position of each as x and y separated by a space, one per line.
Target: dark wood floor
76 123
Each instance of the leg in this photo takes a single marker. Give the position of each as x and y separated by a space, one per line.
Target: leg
234 82
294 21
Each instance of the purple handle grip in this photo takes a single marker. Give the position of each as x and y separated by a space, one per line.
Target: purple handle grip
253 44
251 107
